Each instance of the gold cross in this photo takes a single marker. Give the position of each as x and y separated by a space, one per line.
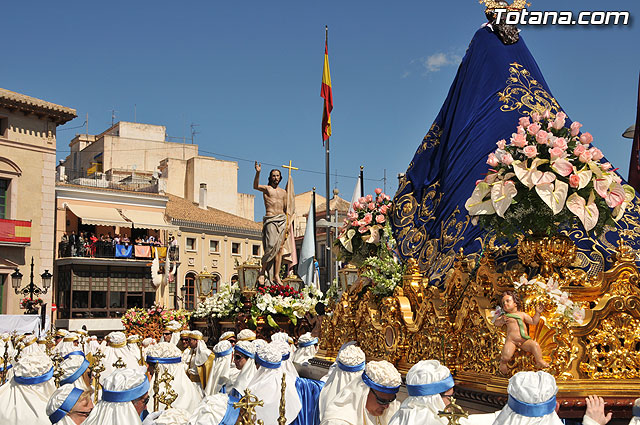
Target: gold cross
290 167
247 404
454 413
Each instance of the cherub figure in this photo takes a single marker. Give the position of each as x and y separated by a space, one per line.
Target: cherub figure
517 335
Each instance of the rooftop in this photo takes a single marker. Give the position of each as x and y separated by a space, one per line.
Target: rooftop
12 100
184 210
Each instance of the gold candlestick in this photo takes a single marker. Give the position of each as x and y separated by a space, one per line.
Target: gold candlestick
169 395
453 413
57 370
282 420
96 368
248 405
156 388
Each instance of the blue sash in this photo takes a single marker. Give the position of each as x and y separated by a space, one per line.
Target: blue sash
223 353
268 365
66 406
74 353
314 341
532 410
127 395
75 375
164 360
35 379
356 368
245 352
378 387
431 389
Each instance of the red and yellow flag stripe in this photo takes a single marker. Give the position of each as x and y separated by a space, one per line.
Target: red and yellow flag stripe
325 93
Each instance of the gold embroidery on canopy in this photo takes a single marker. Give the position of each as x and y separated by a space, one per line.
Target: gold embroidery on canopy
525 94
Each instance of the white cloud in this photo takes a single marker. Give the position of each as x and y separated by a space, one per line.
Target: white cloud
439 60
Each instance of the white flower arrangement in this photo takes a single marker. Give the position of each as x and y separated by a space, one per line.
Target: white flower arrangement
565 307
224 303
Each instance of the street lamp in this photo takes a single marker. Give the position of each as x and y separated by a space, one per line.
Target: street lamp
31 289
205 284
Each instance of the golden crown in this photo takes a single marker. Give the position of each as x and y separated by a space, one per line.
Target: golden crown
514 6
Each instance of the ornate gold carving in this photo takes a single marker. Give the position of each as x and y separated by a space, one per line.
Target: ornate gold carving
168 396
282 419
515 6
454 323
96 367
453 413
525 94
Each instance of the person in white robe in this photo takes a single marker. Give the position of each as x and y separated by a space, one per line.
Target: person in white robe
370 400
307 348
287 363
635 410
132 345
246 335
221 373
146 343
172 332
60 334
350 364
228 336
200 359
30 346
116 349
266 385
24 399
244 354
69 344
76 372
69 405
124 398
92 344
211 410
183 344
165 357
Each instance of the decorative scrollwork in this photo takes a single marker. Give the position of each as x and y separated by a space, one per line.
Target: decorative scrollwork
525 94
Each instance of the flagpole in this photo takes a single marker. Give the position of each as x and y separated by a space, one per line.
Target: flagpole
361 180
328 188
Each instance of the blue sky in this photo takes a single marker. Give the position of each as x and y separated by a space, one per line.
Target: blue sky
249 75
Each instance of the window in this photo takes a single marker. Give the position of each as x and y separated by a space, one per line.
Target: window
4 191
191 244
190 293
214 247
235 248
255 250
4 125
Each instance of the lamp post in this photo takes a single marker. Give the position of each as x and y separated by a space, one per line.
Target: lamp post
205 281
328 225
31 289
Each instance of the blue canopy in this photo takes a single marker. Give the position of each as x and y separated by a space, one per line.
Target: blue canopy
496 84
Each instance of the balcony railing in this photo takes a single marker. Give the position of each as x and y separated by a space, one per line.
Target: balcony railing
105 249
15 232
105 181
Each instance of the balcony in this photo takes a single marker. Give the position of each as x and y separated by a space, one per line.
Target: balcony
15 232
106 249
126 180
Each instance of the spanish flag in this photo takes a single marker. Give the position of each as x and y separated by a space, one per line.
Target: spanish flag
325 93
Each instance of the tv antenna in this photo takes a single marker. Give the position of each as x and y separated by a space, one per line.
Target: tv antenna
194 132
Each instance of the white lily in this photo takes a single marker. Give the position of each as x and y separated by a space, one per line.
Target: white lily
502 193
477 204
630 194
553 194
585 175
586 211
525 173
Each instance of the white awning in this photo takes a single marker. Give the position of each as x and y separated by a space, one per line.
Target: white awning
100 216
148 220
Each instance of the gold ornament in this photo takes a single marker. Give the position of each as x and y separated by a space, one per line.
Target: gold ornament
517 5
282 420
453 412
119 364
169 395
248 404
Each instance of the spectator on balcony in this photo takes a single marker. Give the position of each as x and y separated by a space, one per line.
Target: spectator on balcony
73 243
125 240
63 245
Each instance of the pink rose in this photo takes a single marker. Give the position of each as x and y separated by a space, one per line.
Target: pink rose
363 229
492 160
352 215
520 130
533 129
355 223
596 154
524 121
356 205
579 150
380 219
585 157
369 198
519 140
574 181
586 138
384 209
507 159
556 153
371 206
561 143
559 122
542 137
368 217
561 115
606 166
530 151
535 117
575 128
546 114
501 144
378 191
362 200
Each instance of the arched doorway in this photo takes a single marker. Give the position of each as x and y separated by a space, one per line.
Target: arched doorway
190 293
